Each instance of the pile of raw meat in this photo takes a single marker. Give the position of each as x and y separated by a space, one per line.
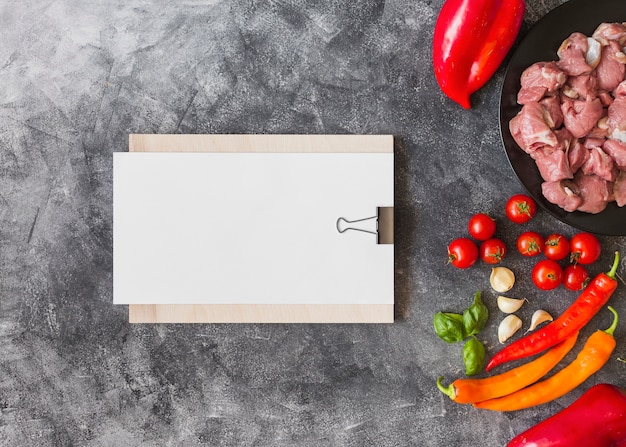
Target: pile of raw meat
573 120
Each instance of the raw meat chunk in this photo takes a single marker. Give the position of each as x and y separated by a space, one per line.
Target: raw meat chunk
606 32
530 130
581 87
573 55
600 164
563 194
553 114
610 71
565 138
617 119
538 80
598 133
617 150
576 156
580 116
594 192
591 142
554 166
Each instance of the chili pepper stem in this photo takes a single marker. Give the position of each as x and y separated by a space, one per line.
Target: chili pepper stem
611 273
448 391
611 328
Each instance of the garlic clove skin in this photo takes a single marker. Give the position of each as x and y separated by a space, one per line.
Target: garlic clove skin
501 279
509 326
540 316
509 305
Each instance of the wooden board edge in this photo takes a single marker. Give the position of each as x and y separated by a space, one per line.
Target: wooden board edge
260 143
261 313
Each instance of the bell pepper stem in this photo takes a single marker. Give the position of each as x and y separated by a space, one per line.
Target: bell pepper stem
611 273
448 391
611 328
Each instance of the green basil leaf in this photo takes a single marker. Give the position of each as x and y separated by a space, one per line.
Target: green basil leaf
473 356
457 317
475 317
449 327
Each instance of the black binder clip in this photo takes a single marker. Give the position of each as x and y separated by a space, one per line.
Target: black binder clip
380 225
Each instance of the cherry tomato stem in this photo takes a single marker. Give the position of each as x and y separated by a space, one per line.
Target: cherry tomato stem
556 247
520 208
492 251
530 243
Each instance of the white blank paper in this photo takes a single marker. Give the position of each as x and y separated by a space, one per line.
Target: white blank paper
249 228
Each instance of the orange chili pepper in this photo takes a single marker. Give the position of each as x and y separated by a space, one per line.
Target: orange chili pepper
591 358
467 391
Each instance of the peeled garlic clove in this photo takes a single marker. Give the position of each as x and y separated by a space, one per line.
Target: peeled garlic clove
540 316
509 305
509 326
501 279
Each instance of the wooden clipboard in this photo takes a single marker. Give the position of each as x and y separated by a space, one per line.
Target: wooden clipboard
261 313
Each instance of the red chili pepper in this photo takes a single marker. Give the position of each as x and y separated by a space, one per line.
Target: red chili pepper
577 315
595 419
470 41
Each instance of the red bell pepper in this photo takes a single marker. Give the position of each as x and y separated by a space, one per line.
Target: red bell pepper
471 39
595 419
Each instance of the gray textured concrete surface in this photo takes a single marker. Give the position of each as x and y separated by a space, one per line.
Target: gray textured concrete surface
76 77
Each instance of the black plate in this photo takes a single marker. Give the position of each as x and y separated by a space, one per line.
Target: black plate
540 44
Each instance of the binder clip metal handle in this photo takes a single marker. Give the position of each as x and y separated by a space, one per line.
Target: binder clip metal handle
380 225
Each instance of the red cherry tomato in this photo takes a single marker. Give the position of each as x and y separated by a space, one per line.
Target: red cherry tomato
547 274
575 277
462 253
481 226
520 208
492 251
556 247
530 243
585 248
